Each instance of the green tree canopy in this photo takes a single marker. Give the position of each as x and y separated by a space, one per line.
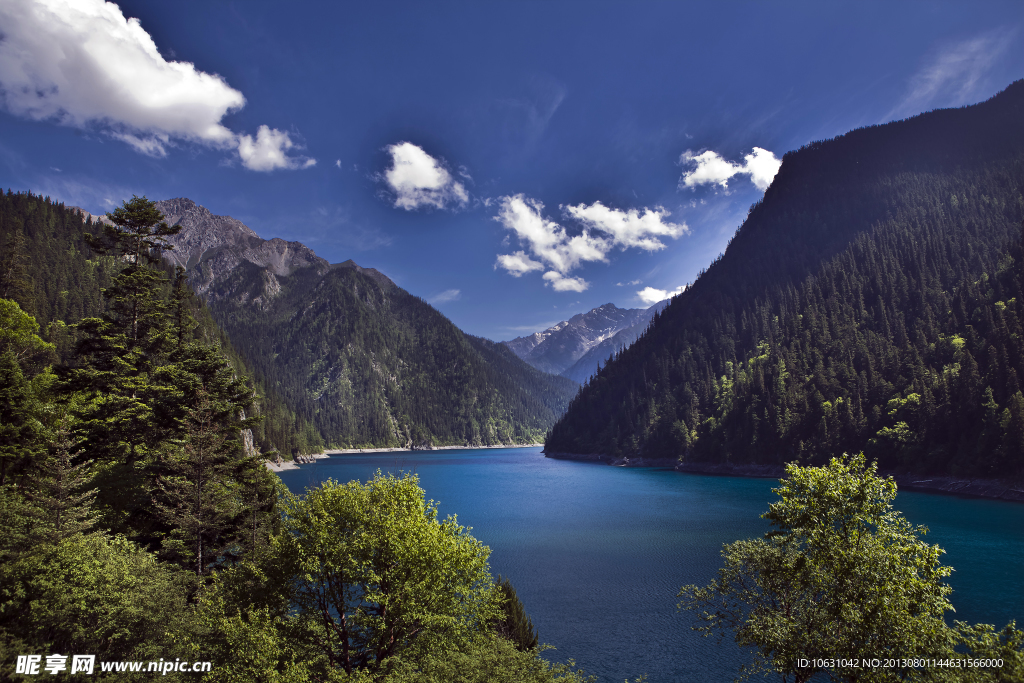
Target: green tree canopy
380 574
841 573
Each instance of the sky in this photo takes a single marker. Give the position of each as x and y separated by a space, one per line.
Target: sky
512 163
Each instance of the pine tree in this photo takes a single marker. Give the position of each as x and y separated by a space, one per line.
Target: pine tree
61 491
15 282
195 494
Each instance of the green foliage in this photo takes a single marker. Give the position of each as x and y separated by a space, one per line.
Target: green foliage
363 583
983 641
35 230
194 486
22 386
514 625
135 231
19 335
391 577
485 659
90 594
61 490
841 571
855 309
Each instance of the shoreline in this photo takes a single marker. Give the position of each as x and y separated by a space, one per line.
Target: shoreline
327 453
993 489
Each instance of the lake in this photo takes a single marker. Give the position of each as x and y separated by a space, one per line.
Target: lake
598 553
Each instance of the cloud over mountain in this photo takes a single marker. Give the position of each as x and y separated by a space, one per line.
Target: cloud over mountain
651 295
710 168
83 64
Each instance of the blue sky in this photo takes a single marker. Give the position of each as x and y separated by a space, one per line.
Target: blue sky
513 163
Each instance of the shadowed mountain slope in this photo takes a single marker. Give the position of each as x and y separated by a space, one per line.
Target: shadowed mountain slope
362 359
870 301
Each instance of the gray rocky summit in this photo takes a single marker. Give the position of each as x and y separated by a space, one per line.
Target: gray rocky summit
210 247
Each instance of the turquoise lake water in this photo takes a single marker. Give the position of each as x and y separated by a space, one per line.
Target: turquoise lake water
598 553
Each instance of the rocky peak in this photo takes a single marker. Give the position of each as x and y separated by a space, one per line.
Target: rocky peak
558 347
379 277
211 246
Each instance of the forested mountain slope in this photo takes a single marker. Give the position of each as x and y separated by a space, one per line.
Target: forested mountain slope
871 301
372 365
48 268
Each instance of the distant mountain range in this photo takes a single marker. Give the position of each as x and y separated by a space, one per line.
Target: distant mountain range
576 348
367 363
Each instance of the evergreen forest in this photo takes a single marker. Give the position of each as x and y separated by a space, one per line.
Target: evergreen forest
370 365
141 525
48 268
871 301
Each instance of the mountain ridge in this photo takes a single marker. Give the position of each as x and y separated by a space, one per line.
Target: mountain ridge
367 363
870 301
558 348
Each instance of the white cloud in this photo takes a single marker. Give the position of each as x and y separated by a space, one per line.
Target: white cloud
629 228
81 63
419 180
445 296
337 162
651 296
955 75
546 240
518 263
709 168
551 246
268 151
629 284
561 283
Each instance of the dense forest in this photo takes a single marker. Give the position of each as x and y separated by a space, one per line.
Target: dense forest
49 269
871 301
142 528
371 365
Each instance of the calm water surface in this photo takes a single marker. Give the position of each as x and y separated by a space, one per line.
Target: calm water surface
597 553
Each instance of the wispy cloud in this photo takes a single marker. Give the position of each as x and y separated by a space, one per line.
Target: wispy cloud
651 296
631 283
418 180
553 249
710 168
526 118
953 75
92 195
445 296
85 65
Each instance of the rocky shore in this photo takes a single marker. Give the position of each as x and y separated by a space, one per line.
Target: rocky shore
344 451
282 465
978 488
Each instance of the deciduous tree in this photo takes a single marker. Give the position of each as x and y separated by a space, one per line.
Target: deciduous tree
841 574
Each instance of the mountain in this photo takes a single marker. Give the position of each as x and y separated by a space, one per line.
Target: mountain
872 300
591 361
210 246
557 348
367 363
65 283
